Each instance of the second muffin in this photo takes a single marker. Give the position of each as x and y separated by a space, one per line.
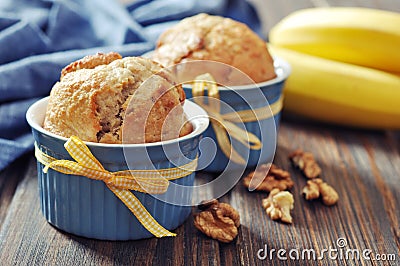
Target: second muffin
206 37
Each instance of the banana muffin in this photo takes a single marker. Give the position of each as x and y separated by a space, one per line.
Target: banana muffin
109 99
206 37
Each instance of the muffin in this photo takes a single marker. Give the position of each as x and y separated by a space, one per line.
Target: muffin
206 37
100 98
95 200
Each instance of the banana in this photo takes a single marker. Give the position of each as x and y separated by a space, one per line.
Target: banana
340 93
360 36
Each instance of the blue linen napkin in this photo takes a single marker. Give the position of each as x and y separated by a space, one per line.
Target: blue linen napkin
39 37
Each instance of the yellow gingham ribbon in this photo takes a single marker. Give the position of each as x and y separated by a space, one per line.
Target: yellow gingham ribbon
121 182
223 124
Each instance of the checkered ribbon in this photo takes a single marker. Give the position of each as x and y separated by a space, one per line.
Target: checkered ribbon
121 182
223 124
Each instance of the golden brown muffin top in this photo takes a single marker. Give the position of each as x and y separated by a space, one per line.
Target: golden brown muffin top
205 37
97 94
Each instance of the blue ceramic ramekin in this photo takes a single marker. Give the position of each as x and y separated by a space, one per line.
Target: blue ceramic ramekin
86 207
243 98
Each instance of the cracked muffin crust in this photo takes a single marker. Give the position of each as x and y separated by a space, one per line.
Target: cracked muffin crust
99 98
90 62
205 37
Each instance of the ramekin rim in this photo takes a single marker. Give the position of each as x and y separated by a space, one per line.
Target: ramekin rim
196 132
279 64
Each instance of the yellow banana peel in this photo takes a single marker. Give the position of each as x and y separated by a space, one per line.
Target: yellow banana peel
340 93
360 36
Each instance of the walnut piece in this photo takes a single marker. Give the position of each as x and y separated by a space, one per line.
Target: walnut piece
268 176
306 163
316 188
311 190
278 205
219 221
328 193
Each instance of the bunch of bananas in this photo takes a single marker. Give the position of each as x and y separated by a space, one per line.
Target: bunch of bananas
345 65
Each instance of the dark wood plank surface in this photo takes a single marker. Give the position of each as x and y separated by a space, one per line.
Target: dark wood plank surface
9 180
363 166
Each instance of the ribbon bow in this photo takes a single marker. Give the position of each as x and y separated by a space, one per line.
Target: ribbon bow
223 124
121 182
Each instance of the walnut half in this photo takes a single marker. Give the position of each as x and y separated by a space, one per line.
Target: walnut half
217 220
311 190
278 205
316 188
306 163
269 177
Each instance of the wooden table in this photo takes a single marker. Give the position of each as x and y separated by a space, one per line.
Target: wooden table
363 166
